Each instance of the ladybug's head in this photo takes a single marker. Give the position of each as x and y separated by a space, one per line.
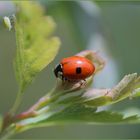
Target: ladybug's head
58 71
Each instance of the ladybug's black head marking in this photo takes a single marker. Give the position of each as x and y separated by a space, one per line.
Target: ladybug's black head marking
58 71
78 70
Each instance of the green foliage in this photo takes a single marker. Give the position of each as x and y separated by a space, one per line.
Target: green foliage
124 89
84 114
35 48
76 113
63 105
83 107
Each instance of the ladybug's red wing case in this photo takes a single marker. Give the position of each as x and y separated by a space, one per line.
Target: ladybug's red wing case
77 68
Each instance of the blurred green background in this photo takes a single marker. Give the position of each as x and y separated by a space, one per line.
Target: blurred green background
110 28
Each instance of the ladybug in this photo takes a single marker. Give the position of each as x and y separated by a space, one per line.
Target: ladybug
74 68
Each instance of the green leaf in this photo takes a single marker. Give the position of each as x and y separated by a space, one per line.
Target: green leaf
126 88
131 111
35 47
75 113
136 92
82 107
84 114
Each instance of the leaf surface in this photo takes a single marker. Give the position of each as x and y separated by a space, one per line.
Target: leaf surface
76 114
35 46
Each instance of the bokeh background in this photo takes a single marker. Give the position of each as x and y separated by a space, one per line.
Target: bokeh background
108 27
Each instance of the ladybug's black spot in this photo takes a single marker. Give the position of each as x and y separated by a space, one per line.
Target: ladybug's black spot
78 70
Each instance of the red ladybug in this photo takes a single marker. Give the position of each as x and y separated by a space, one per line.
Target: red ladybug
74 68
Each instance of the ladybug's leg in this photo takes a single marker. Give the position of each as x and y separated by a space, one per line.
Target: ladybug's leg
64 79
83 83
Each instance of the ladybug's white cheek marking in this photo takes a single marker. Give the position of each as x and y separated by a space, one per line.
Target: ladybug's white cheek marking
60 74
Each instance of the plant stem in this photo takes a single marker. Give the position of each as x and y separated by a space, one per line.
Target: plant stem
50 97
8 132
5 136
39 104
9 117
16 103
